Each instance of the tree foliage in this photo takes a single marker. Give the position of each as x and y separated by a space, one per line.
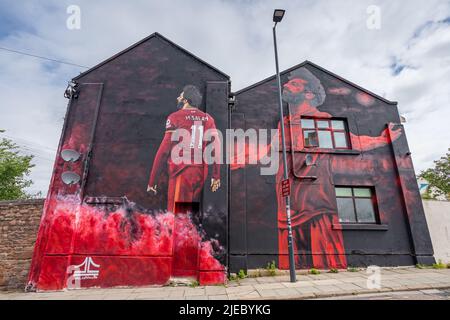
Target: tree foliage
439 177
14 170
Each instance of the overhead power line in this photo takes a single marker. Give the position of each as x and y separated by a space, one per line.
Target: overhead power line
30 143
32 153
37 150
41 57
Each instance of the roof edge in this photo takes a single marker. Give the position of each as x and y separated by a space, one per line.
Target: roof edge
307 62
155 34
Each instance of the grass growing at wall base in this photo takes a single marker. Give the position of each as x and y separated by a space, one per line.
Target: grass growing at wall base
242 274
439 265
271 268
314 271
333 270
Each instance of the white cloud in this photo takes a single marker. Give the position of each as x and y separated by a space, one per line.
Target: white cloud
236 37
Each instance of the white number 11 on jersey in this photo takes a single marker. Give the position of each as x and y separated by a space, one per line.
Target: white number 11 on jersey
194 129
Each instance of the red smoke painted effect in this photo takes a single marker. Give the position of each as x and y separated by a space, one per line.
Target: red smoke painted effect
340 91
114 234
365 99
251 153
132 247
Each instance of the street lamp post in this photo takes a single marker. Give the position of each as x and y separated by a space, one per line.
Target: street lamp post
277 17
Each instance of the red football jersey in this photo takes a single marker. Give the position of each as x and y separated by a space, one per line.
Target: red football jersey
195 124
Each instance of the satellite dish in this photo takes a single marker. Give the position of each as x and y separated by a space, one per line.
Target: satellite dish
70 155
70 177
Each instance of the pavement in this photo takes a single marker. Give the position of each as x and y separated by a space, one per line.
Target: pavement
411 282
429 294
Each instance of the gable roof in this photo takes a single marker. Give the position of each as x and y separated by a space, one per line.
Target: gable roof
154 35
306 62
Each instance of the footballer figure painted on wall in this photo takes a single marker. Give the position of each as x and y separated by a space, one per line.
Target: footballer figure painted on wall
315 242
186 178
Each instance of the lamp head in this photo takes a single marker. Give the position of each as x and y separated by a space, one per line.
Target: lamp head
278 15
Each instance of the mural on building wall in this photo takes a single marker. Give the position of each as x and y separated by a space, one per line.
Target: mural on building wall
186 174
145 209
186 179
134 217
116 226
348 166
312 217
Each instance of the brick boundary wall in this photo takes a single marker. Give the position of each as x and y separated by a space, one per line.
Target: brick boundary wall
19 223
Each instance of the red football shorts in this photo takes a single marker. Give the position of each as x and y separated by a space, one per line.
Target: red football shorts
185 186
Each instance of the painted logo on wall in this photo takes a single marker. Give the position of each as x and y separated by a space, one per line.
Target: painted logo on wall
86 270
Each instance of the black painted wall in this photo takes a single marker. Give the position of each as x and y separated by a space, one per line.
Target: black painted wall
118 122
253 211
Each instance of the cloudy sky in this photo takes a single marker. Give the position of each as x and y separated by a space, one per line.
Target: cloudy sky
406 59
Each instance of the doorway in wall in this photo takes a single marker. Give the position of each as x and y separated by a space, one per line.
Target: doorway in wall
186 240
